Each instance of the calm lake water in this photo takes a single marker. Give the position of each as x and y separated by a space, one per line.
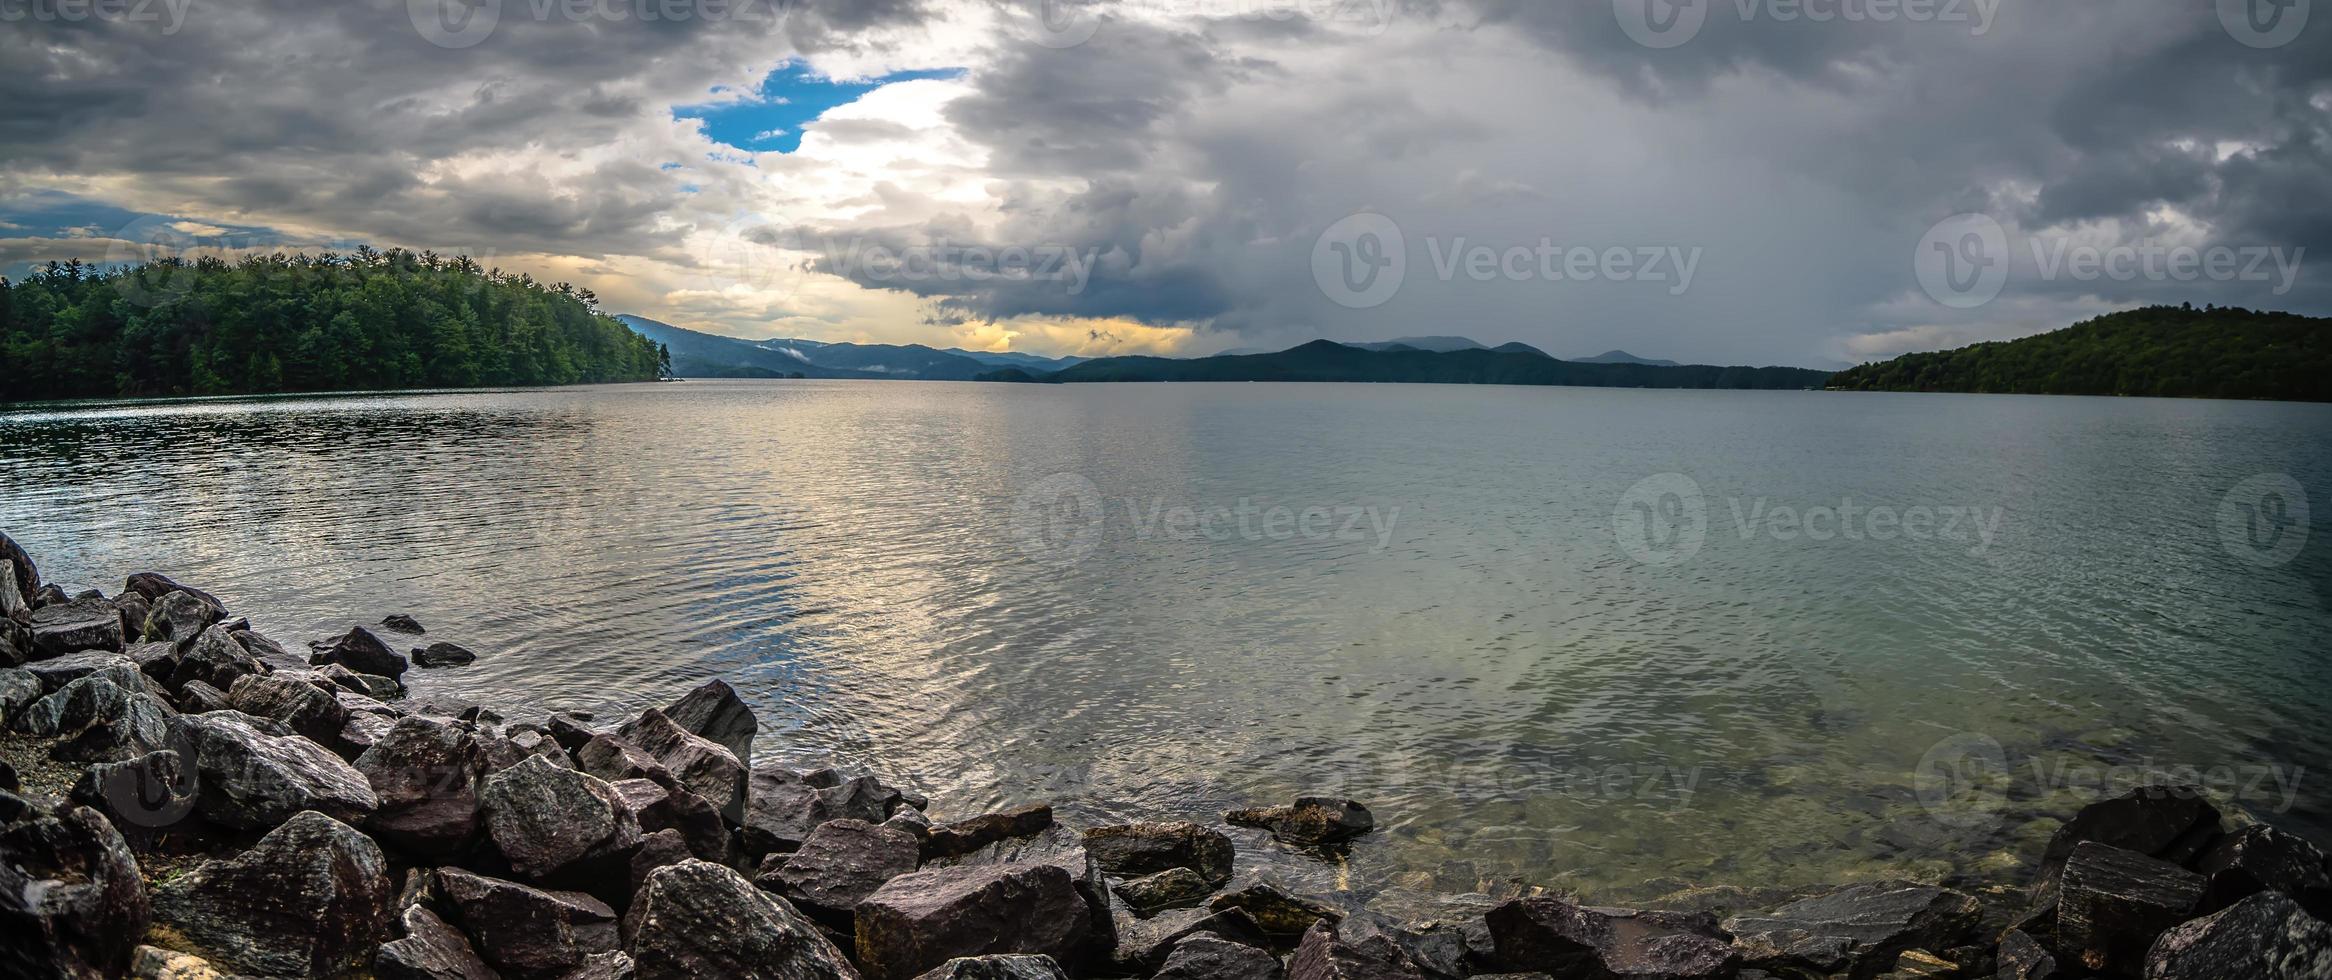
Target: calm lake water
1617 641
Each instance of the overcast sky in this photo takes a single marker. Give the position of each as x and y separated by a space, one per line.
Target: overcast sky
1733 181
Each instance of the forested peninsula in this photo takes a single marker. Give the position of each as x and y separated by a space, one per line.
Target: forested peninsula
366 320
2161 351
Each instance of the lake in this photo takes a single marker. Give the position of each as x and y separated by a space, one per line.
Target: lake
1611 640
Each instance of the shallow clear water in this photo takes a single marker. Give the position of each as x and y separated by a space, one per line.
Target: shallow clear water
1163 600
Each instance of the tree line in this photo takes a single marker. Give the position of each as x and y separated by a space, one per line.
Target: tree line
365 320
2162 351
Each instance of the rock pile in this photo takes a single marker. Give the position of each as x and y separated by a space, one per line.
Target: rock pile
238 811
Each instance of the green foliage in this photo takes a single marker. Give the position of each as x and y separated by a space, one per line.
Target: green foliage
2162 351
367 321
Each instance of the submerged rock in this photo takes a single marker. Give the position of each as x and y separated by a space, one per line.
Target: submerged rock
1171 888
1549 935
156 963
527 931
1858 928
1276 911
1312 821
2264 937
310 899
71 902
250 779
714 711
1136 849
401 623
363 651
697 919
442 654
2112 903
546 819
918 921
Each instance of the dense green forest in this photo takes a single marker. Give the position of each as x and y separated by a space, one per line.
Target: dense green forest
367 320
2164 351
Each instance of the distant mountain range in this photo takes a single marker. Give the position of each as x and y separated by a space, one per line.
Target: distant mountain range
2162 351
696 354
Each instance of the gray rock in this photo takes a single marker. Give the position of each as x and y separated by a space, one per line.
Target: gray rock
1062 848
2261 858
300 706
155 660
372 686
149 793
363 651
1549 935
15 640
2264 937
2112 904
919 921
71 627
614 758
1205 957
310 899
425 775
658 849
401 623
697 919
570 730
96 720
214 658
154 585
1859 927
714 712
702 765
673 807
842 863
911 821
1439 951
361 733
1311 821
132 609
56 672
18 690
1325 955
783 806
527 931
1273 909
1143 945
547 820
996 968
431 950
604 966
178 616
2022 957
251 779
197 697
2173 823
71 902
1136 849
966 836
267 651
1168 889
22 573
442 654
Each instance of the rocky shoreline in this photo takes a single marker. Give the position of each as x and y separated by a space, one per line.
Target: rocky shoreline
183 797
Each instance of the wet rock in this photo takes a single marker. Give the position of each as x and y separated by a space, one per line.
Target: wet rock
2022 957
149 793
213 658
1276 911
842 863
197 697
780 811
71 627
674 808
2264 937
996 968
431 950
178 616
1550 935
697 919
1859 928
23 573
363 651
614 758
910 821
918 921
527 931
1311 821
96 720
1171 888
300 706
71 902
15 640
372 686
49 594
401 623
714 712
570 730
425 774
603 966
966 836
155 660
56 672
2112 903
702 765
1062 848
546 820
132 608
1324 955
2173 823
154 585
1137 849
660 849
2261 858
156 963
250 779
442 654
267 651
310 899
361 733
18 690
1144 945
1205 957
1440 950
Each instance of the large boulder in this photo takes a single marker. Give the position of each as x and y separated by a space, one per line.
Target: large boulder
1014 967
1549 935
95 719
215 658
698 919
783 807
431 950
715 712
178 616
15 640
2112 904
1207 957
1062 848
1859 928
1143 945
842 863
71 627
2261 858
2264 937
614 758
312 898
250 779
525 931
299 705
2174 823
56 672
546 820
1325 955
918 921
1312 821
425 774
22 572
363 651
18 690
2022 957
1137 849
966 836
71 902
702 765
150 793
154 585
672 807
